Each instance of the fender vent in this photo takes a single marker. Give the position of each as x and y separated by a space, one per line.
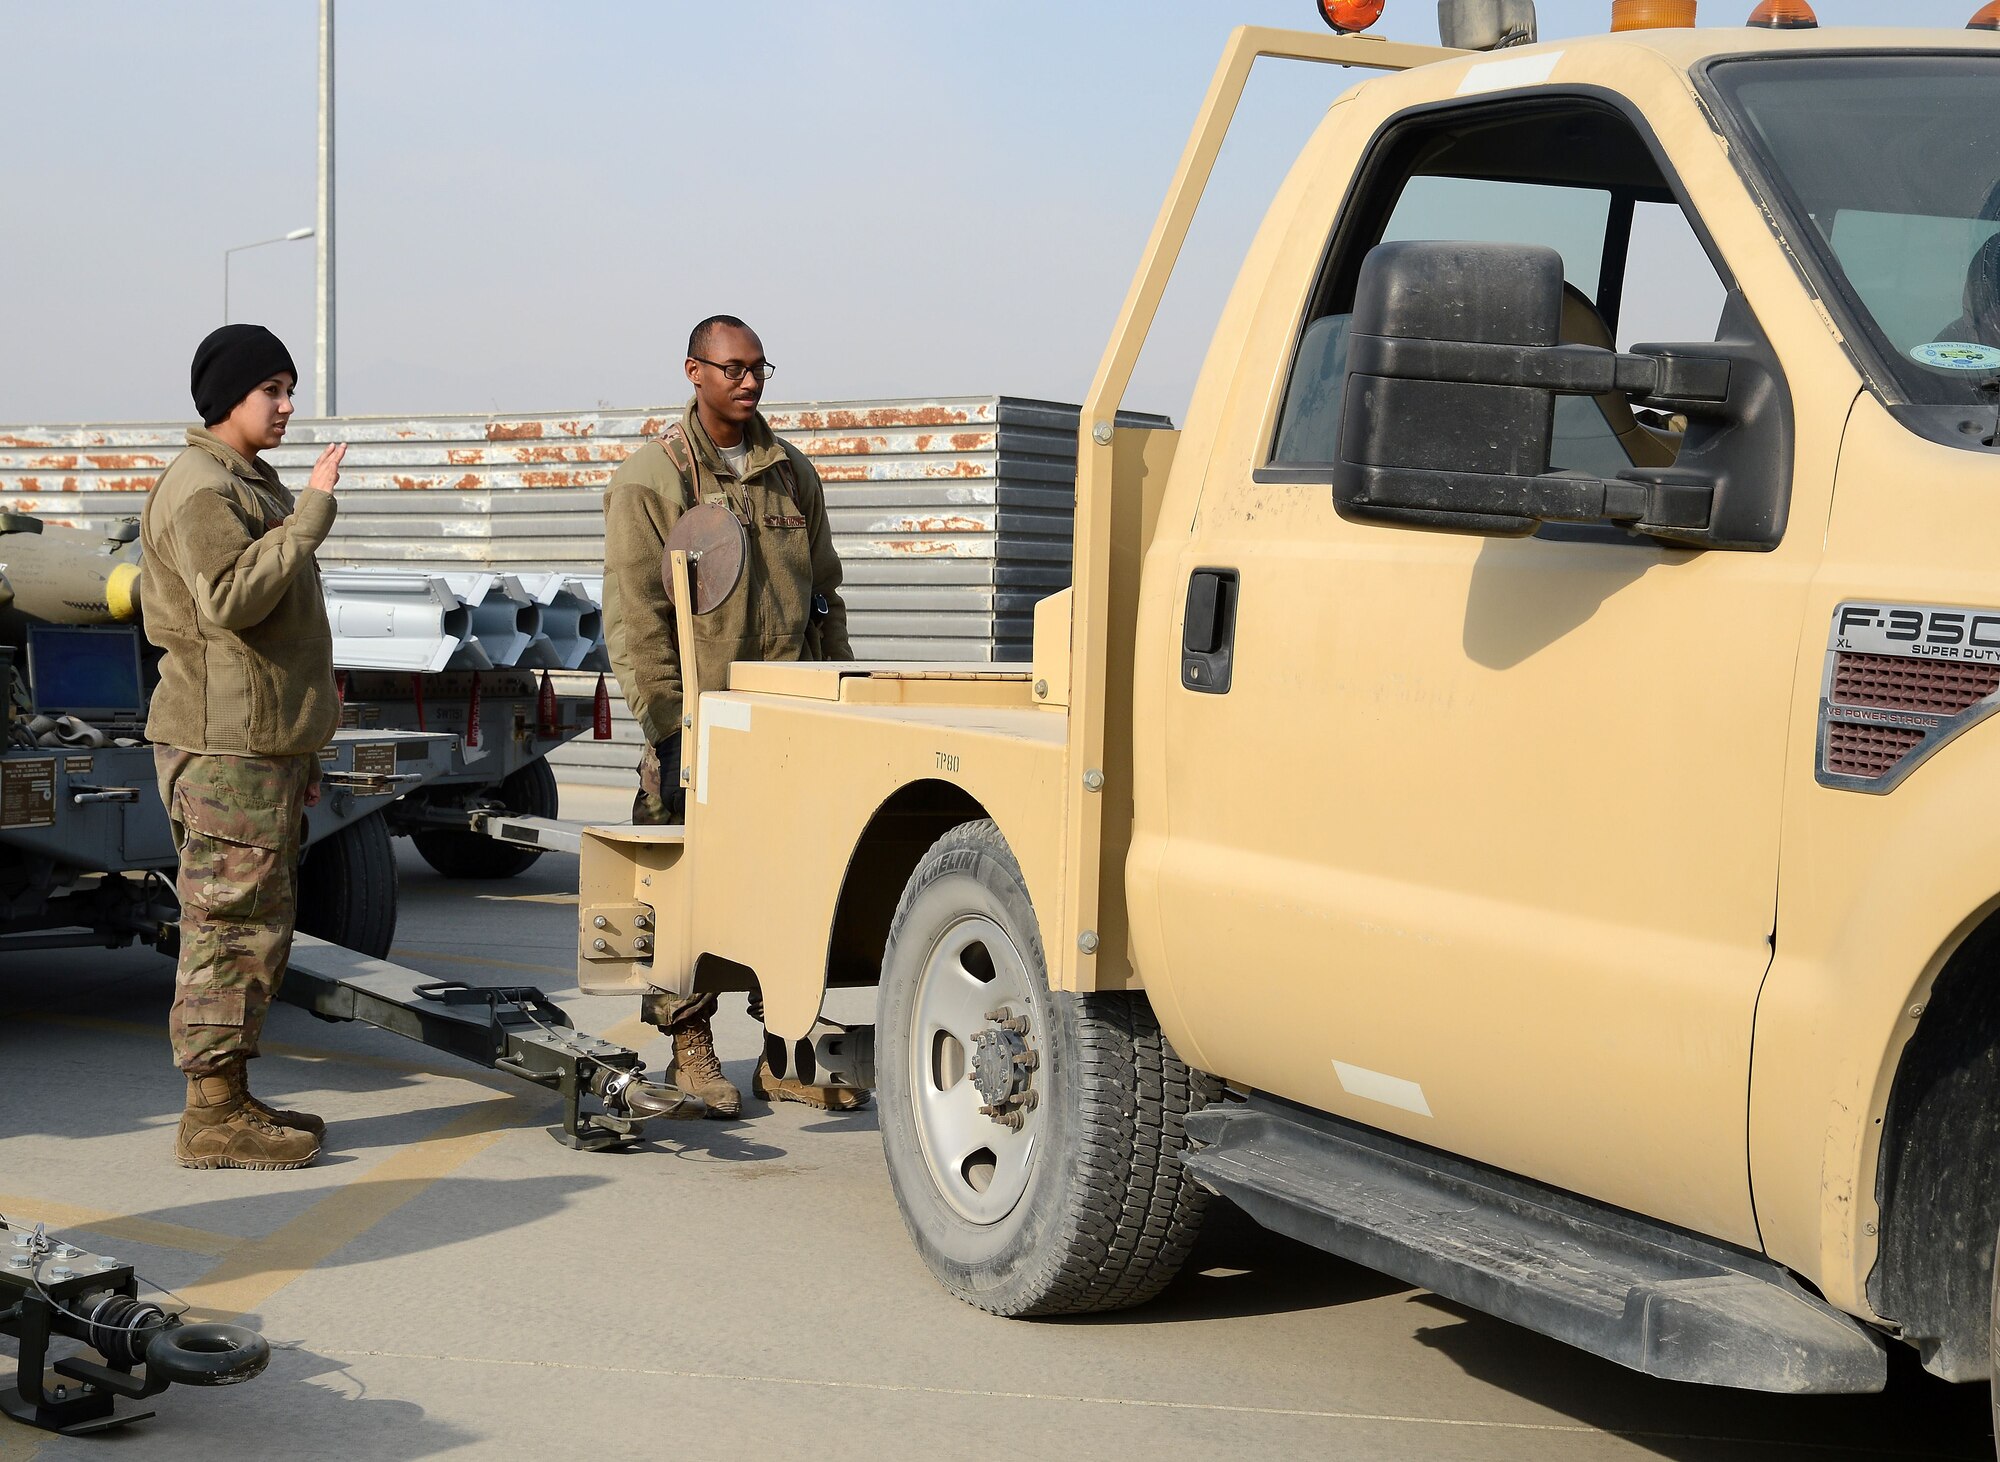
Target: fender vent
1867 751
1899 684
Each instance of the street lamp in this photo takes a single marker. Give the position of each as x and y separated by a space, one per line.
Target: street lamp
292 237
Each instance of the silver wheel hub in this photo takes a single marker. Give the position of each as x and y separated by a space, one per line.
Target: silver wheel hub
972 1061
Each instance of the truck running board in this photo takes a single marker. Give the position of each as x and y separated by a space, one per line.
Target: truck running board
511 1028
1656 1299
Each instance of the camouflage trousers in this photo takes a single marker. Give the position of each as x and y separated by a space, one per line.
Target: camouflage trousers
236 822
661 799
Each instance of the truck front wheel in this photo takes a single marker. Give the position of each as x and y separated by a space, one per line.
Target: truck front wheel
1993 1342
1033 1138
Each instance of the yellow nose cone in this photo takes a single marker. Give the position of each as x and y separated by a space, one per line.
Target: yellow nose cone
121 592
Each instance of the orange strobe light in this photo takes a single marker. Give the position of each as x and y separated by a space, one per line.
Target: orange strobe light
1651 14
1784 15
1349 16
1987 17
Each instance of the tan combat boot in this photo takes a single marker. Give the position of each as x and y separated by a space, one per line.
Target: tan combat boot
219 1129
768 1086
276 1117
698 1072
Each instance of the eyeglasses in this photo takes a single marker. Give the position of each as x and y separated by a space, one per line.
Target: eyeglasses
734 372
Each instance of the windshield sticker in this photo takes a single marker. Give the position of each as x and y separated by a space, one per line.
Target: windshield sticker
1957 355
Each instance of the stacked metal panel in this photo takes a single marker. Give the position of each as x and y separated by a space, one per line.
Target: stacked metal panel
952 515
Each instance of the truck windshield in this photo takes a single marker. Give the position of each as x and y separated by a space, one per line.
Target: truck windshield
1891 167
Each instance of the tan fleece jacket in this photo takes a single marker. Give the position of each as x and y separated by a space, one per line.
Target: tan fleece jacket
232 594
791 558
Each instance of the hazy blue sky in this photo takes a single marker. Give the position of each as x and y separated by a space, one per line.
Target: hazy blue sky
536 200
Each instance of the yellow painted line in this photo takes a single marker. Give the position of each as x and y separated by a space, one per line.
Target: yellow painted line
19 1443
480 959
259 1268
62 1217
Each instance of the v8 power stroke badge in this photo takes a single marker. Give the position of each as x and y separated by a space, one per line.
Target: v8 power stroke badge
1900 681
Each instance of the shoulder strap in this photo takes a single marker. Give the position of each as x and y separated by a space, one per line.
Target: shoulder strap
787 471
681 454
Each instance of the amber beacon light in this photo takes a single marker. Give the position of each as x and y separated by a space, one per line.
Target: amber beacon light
1784 15
1987 17
1350 16
1651 14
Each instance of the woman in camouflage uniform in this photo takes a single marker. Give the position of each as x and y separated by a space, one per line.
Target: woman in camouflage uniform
245 702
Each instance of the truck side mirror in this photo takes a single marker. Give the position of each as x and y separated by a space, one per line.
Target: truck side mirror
1453 367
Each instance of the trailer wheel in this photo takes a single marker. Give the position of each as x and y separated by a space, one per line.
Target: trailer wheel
347 888
1033 1138
530 792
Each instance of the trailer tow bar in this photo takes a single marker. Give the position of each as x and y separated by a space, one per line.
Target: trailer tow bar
512 1028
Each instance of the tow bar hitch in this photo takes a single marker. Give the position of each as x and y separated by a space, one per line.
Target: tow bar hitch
512 1028
50 1289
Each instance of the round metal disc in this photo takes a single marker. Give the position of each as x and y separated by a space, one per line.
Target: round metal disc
716 547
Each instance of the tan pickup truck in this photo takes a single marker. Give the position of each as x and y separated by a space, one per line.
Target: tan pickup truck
1504 801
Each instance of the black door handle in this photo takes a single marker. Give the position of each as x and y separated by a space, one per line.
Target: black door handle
1208 631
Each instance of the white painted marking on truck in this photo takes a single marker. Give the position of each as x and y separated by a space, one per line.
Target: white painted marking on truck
716 716
1514 71
1373 1086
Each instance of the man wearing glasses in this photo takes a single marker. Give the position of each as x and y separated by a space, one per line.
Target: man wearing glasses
786 606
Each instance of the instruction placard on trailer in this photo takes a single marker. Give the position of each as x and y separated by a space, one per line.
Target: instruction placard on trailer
28 792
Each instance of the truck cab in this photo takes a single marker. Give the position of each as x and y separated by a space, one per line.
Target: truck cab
1504 799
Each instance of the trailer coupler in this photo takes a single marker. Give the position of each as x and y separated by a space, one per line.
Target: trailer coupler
607 1099
50 1290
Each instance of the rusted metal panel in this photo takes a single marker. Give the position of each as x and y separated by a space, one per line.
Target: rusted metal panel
952 515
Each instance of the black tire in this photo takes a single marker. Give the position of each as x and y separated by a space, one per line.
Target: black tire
1993 1344
208 1355
347 888
1108 1212
531 792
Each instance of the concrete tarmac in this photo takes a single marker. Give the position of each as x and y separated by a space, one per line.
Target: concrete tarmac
449 1282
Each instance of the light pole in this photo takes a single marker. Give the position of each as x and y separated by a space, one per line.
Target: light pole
323 367
297 233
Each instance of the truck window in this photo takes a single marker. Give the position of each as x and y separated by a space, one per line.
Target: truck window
1890 169
1571 221
1569 176
1671 291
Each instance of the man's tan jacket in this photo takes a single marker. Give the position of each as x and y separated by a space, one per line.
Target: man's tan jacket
790 559
232 594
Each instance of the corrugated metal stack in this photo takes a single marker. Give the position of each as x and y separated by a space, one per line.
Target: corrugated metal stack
952 516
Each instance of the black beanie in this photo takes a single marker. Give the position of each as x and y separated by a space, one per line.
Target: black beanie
231 363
